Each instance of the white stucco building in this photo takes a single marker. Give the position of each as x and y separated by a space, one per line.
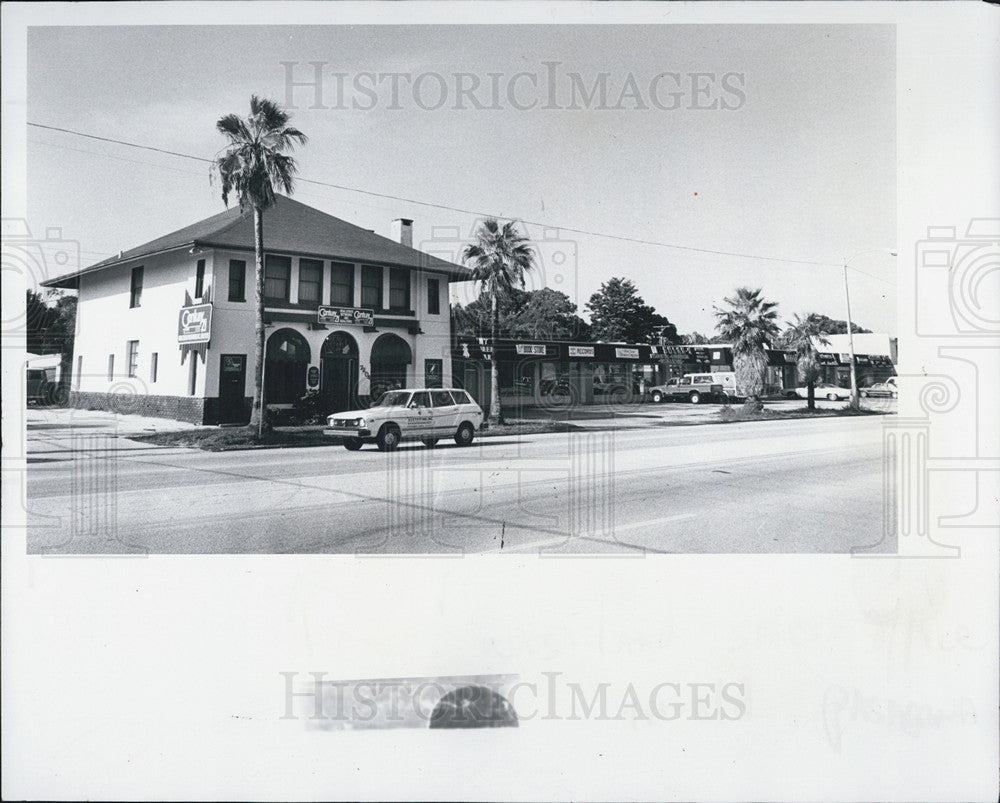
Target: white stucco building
167 328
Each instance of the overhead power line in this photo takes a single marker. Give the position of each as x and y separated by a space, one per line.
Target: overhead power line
477 213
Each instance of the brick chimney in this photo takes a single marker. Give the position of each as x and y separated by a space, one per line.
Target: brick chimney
402 231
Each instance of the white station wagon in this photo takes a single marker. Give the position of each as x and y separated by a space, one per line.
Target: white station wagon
421 414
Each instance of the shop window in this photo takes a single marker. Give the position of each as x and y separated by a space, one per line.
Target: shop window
433 297
132 357
399 289
135 292
199 279
342 284
310 280
237 280
277 278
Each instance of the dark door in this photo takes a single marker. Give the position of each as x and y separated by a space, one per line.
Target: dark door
340 383
232 389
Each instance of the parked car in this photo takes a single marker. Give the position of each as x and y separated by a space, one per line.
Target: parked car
41 389
825 390
658 393
694 388
420 414
885 389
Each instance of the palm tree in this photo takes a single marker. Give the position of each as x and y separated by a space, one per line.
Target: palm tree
749 325
253 167
500 256
802 336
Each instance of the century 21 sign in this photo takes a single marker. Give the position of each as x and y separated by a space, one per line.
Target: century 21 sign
194 325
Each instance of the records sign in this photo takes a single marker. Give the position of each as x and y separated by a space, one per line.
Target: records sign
581 351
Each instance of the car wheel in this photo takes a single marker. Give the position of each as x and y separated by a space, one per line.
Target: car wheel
465 434
430 443
388 438
831 397
695 398
657 397
864 394
352 444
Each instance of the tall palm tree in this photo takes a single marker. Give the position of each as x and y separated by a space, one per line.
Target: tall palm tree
749 325
254 167
802 336
499 257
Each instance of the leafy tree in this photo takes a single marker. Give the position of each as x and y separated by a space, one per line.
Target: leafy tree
698 339
619 314
254 167
500 256
802 336
541 314
749 324
831 326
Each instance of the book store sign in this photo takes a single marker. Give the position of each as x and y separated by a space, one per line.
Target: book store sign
530 349
194 325
346 315
627 354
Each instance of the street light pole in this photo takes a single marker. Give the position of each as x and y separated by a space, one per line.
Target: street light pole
855 403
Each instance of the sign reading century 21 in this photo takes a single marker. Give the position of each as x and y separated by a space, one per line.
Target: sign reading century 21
194 324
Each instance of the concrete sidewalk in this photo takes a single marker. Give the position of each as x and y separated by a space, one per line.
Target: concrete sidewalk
60 430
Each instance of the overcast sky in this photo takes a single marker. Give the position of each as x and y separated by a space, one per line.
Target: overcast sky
783 147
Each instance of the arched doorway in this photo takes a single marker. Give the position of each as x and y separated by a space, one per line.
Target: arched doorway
390 357
285 367
339 372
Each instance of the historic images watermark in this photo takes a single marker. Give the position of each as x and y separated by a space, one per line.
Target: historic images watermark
501 700
550 86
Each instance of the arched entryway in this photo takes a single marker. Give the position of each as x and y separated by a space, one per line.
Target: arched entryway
285 367
339 372
390 357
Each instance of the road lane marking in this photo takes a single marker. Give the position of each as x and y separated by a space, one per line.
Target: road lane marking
605 537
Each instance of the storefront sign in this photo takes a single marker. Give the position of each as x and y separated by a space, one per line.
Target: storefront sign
194 325
530 349
581 351
845 359
627 354
232 363
346 315
312 376
825 358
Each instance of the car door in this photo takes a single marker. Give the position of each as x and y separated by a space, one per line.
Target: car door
419 416
445 412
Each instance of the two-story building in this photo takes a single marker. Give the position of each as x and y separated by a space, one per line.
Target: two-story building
167 328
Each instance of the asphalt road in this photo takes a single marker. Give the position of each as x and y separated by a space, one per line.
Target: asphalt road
796 486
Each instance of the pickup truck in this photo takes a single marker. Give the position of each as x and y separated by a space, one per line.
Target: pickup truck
694 388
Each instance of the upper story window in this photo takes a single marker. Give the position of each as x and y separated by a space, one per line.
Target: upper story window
277 277
199 279
135 293
342 284
399 289
371 287
310 280
433 296
237 280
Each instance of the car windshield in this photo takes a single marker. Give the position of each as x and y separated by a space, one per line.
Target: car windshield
393 398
